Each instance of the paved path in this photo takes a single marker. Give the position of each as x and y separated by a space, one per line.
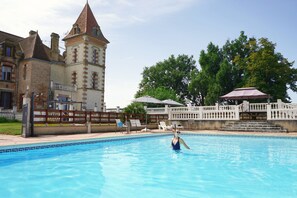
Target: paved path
10 140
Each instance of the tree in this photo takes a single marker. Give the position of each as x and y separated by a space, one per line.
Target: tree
168 78
270 71
135 108
243 62
204 84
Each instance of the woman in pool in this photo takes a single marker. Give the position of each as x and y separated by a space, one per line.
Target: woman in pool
176 141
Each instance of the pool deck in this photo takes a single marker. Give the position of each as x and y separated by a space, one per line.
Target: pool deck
11 140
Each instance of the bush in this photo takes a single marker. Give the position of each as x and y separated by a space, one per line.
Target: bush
6 120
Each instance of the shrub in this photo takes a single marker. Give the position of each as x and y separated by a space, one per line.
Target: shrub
6 120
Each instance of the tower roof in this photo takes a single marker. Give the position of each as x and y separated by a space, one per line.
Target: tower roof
86 24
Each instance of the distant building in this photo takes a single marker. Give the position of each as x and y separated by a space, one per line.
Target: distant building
72 81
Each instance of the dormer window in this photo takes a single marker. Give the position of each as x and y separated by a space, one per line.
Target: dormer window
8 51
96 31
76 29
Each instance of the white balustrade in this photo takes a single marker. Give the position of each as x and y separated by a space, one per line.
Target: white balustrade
229 112
275 111
282 111
257 107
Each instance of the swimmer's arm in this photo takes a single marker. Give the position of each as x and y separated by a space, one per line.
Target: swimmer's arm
183 142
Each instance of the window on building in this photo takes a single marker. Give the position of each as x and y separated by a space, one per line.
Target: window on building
6 100
96 31
76 29
94 82
21 98
75 55
8 51
95 56
6 73
74 78
25 72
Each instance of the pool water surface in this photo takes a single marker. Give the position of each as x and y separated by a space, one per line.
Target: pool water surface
216 166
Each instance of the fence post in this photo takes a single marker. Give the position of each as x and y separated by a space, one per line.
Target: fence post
46 115
90 119
60 116
32 115
268 111
26 119
237 112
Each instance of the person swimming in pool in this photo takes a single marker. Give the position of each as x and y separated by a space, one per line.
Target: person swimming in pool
176 141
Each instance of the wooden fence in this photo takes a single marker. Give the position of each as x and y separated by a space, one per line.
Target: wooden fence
67 116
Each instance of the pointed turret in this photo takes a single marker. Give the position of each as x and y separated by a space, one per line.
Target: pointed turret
86 24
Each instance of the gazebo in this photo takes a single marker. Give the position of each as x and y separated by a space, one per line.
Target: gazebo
245 93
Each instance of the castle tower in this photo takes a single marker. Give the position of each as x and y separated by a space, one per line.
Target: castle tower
85 60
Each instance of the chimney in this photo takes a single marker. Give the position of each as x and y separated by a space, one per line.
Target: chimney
55 47
32 32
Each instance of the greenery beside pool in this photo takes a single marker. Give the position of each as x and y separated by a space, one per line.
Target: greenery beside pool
12 128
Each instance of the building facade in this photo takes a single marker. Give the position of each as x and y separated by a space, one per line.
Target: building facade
74 80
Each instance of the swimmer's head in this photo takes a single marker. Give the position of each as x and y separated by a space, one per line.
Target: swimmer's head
177 133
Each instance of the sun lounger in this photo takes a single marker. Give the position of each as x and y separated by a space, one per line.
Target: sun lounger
165 127
120 125
135 124
177 125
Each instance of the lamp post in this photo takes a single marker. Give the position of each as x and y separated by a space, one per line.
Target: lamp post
145 129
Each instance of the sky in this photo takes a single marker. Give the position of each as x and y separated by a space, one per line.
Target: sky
144 32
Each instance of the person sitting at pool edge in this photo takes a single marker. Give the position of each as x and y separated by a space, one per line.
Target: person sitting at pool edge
176 141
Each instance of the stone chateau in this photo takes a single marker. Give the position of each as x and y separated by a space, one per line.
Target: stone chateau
74 80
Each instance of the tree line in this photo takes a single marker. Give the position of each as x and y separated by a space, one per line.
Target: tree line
242 62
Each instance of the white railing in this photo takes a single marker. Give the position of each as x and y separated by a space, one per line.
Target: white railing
229 112
281 111
57 86
157 111
275 111
258 107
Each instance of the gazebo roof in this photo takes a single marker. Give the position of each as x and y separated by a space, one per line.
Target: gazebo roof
245 93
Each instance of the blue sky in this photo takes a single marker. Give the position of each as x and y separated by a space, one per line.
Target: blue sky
142 32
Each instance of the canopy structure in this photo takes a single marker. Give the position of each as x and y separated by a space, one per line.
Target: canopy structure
148 99
245 93
171 102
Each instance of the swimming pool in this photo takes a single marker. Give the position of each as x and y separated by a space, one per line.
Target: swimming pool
216 166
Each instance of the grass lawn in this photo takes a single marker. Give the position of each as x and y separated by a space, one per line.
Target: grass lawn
12 128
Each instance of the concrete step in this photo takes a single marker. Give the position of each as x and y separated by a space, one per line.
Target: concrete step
253 126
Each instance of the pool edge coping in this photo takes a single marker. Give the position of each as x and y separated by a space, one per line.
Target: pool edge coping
43 145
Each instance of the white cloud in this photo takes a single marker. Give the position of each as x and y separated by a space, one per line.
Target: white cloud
135 11
59 15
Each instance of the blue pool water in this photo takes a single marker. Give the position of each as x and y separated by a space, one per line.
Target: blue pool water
216 166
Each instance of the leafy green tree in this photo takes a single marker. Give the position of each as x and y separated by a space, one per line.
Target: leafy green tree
270 71
135 108
199 86
243 62
234 62
204 84
171 76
